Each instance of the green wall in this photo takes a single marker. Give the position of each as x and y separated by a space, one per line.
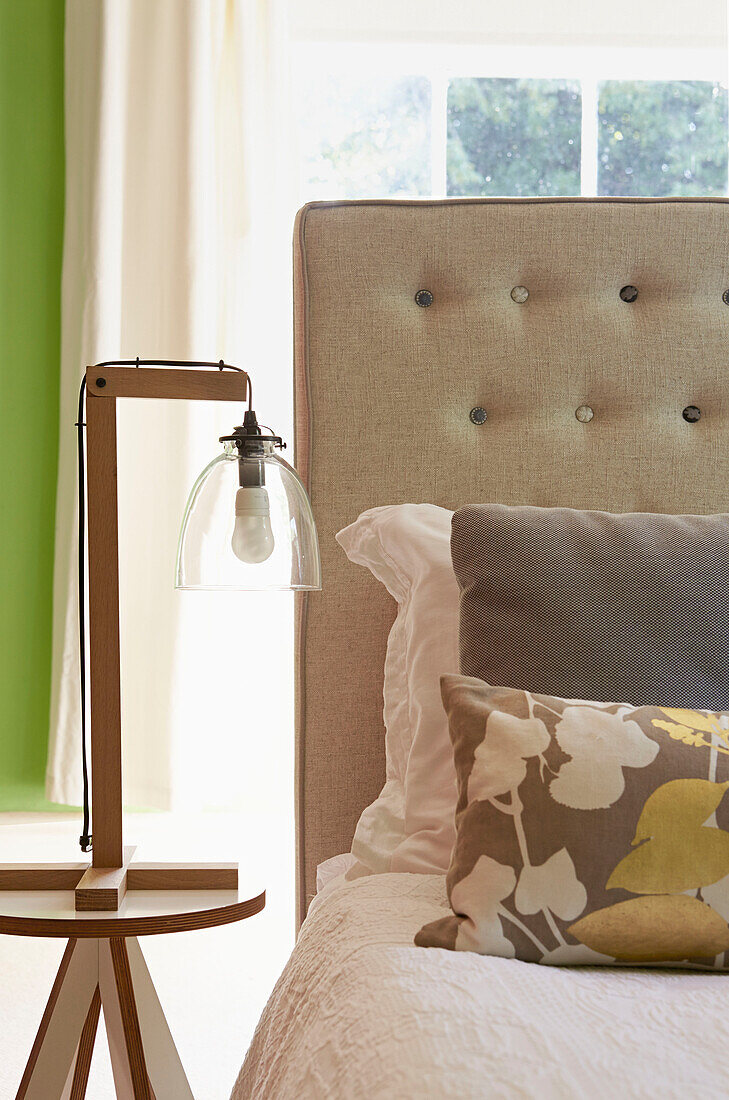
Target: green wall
31 230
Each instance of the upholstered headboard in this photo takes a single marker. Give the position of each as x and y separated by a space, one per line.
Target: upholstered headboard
385 387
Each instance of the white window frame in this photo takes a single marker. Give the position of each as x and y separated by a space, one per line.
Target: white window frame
588 65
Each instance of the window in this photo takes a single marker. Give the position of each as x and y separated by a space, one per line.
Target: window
389 121
365 136
662 137
510 136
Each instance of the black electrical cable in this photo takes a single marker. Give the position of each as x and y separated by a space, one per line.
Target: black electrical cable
85 840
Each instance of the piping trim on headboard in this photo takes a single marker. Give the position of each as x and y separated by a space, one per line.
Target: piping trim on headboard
303 428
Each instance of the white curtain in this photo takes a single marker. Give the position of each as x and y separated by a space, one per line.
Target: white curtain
177 245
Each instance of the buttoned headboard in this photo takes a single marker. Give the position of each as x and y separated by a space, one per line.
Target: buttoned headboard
531 315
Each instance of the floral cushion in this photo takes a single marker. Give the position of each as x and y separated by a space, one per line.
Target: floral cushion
586 832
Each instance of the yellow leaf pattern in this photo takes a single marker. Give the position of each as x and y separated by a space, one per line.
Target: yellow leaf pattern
677 806
686 723
659 867
681 733
677 852
692 718
654 929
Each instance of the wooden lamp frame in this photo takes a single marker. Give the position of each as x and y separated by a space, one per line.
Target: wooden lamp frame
102 885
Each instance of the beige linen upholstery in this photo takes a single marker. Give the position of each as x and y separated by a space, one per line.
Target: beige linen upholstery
384 389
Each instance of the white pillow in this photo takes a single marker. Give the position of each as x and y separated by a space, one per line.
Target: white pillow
410 826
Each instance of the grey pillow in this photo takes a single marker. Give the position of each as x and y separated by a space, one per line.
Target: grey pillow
591 605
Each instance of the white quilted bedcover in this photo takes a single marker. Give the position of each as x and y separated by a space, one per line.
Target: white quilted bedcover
359 1012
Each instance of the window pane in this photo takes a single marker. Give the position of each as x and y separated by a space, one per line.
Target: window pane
364 137
662 138
514 137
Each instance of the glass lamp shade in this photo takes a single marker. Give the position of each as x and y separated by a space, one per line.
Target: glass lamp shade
248 524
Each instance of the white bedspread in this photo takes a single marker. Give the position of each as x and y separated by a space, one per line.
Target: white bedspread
359 1012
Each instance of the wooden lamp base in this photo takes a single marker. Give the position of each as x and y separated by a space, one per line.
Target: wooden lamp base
101 886
102 889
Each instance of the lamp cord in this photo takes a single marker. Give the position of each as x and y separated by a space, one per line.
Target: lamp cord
85 840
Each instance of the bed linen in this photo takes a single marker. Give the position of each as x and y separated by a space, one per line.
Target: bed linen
407 547
360 1012
334 868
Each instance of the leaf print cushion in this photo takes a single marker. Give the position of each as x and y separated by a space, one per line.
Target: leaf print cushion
586 832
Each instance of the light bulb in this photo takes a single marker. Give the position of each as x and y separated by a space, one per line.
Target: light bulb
252 540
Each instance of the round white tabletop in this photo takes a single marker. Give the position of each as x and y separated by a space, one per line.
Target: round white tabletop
142 912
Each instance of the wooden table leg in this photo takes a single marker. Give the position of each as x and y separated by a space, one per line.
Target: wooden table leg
164 1067
109 974
80 1079
144 1058
122 1022
58 1040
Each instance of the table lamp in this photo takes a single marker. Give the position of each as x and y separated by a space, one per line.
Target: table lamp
248 524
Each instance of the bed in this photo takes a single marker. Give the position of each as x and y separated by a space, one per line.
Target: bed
589 403
361 1013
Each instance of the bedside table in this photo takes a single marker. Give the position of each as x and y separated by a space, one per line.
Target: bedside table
103 964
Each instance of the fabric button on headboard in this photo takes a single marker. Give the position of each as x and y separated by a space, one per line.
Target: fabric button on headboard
384 392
